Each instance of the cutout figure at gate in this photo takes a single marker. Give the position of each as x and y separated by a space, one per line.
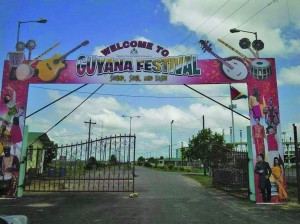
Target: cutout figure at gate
264 171
8 177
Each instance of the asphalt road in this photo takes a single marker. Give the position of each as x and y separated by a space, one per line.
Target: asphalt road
163 198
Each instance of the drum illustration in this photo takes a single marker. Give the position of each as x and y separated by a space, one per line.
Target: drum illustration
15 59
261 69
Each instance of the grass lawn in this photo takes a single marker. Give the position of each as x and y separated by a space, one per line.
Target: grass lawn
205 181
178 169
292 192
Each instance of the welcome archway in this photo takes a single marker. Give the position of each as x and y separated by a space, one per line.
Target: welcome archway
142 62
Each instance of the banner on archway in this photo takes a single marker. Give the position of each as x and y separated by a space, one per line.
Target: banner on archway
143 62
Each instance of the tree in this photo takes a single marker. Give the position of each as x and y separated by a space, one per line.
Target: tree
113 160
186 154
200 146
141 160
229 146
151 160
50 154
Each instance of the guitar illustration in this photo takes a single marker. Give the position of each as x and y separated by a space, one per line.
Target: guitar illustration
50 68
25 71
233 67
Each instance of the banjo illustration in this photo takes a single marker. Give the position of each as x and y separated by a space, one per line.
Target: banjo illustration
233 67
26 71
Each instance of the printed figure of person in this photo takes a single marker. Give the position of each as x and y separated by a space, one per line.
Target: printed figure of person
264 171
271 139
15 131
271 114
254 101
10 102
9 165
277 172
4 136
258 134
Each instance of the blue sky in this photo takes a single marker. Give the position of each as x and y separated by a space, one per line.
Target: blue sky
176 25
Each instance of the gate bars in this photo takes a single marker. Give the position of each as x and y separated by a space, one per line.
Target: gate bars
230 169
67 168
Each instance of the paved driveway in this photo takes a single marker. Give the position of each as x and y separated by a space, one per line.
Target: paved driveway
163 198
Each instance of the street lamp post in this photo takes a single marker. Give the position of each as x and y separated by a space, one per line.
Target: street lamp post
171 137
245 43
30 21
130 117
235 30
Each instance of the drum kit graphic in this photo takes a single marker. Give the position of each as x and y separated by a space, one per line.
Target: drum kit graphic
239 68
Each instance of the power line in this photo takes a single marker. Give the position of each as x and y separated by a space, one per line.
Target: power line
61 136
66 115
218 25
251 17
217 102
55 101
136 96
201 25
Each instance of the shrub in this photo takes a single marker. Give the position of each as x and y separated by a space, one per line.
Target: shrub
100 164
146 164
170 166
187 169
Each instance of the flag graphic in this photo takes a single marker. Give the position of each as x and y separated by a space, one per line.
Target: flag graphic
235 94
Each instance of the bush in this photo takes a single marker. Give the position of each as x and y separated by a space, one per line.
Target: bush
100 164
170 167
181 168
90 163
146 164
187 169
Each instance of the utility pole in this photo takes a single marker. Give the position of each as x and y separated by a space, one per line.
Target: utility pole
232 106
203 122
171 138
90 124
169 153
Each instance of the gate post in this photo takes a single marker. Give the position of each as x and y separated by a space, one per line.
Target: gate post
297 160
252 195
22 171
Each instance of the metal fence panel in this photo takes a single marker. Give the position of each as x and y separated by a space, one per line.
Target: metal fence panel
68 168
230 169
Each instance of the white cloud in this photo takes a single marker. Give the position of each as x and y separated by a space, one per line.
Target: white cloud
289 75
196 16
142 38
97 50
181 50
147 135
